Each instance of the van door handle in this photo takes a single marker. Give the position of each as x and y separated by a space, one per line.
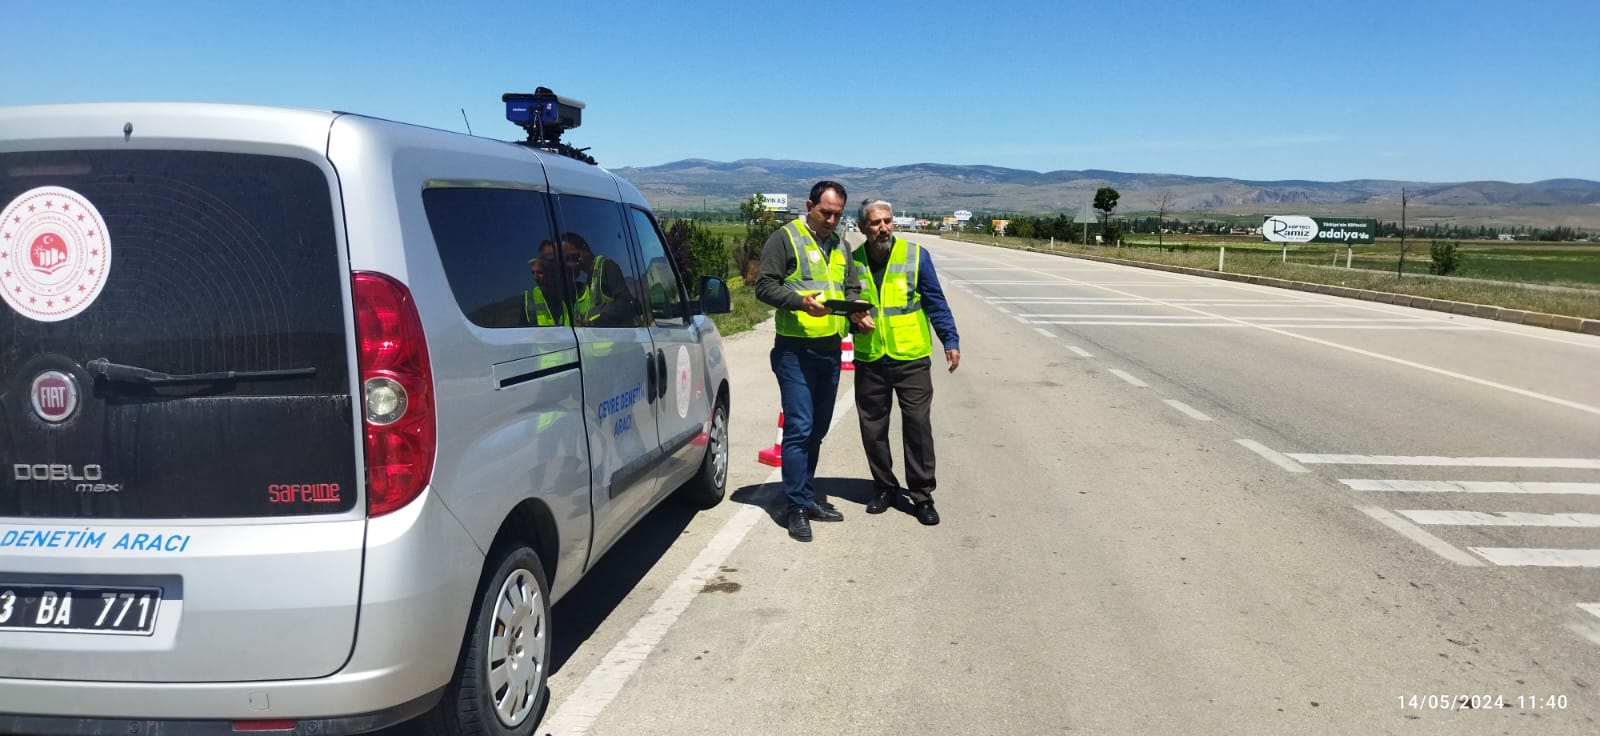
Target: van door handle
661 373
650 376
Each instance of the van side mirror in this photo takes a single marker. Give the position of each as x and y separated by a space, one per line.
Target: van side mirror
714 296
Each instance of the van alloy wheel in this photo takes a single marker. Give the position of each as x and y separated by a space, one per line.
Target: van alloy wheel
717 447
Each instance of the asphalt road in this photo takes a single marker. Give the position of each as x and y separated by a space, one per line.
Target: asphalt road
1171 505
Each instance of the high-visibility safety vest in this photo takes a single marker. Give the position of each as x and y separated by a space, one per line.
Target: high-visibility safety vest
592 298
537 310
813 272
900 327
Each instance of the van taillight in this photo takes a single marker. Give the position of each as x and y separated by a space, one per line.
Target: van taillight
397 392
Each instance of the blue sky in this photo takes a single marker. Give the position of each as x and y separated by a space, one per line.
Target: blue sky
1448 90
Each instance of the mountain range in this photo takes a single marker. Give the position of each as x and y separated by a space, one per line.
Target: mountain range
942 188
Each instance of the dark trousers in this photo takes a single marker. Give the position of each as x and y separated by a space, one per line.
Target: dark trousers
808 384
912 380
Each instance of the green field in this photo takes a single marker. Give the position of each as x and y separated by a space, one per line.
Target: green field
1511 275
1557 264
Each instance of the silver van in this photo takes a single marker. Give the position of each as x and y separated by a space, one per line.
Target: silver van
307 418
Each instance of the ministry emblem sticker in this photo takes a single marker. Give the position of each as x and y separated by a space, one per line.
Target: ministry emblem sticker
54 253
55 396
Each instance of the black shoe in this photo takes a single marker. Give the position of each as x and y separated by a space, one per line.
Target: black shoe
824 512
927 514
799 525
881 501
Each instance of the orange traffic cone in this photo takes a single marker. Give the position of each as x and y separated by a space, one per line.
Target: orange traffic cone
774 455
847 354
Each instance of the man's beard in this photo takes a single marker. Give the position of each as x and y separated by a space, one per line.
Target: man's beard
879 250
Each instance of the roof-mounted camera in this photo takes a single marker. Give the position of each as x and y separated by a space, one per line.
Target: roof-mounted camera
545 115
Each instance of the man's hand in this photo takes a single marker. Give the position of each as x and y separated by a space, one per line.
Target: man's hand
809 303
953 358
862 321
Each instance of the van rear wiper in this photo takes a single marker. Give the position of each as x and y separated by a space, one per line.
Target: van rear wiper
119 373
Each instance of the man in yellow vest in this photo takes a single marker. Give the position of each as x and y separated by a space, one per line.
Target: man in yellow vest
544 305
600 294
892 358
804 264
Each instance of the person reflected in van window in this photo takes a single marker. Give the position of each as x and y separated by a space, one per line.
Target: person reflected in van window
543 304
600 292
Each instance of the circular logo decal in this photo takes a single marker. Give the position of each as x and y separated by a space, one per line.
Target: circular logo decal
55 396
54 253
685 377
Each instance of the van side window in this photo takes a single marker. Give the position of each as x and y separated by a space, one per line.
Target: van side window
600 268
660 280
499 253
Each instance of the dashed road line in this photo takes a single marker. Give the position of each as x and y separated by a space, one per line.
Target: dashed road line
1500 518
1530 557
1579 463
1416 534
1593 608
1044 332
1275 457
1080 352
1470 486
1193 413
1124 375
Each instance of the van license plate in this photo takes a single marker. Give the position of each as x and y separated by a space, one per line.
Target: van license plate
78 608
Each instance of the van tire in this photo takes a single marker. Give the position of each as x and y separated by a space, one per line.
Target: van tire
708 486
468 707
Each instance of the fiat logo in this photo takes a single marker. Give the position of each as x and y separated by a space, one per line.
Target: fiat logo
55 396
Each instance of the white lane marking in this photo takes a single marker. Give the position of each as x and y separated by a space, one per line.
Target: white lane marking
1111 323
1117 300
1114 315
1193 413
1579 463
1500 518
1593 608
1124 375
1533 557
1420 326
579 711
1003 310
1272 455
1197 281
1416 534
1019 319
1470 486
1044 332
1080 352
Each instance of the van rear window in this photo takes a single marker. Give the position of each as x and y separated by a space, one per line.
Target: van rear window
195 316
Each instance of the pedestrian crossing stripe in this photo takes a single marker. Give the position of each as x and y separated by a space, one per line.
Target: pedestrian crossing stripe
1469 486
1500 518
1531 557
1579 463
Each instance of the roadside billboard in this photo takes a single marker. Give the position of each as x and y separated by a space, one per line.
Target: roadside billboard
1302 229
962 215
775 202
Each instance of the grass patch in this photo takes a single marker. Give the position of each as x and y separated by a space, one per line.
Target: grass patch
1489 274
748 311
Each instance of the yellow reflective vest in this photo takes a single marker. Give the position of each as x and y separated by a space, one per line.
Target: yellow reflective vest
813 272
901 329
536 309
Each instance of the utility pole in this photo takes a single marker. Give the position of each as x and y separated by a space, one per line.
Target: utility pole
1400 271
